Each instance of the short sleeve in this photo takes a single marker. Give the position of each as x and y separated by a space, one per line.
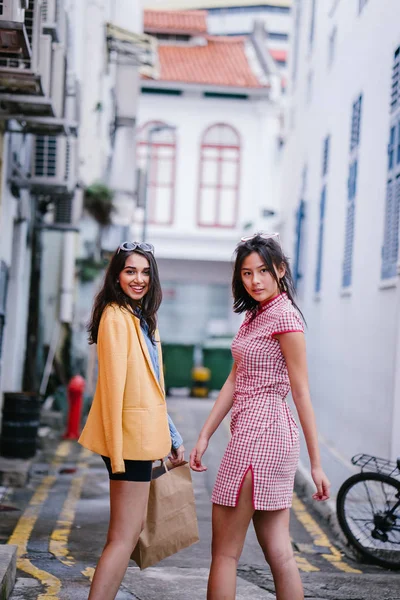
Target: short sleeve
289 322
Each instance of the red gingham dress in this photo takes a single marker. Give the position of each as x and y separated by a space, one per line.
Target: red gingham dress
265 436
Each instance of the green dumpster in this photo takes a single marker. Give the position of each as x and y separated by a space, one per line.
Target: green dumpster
178 365
218 358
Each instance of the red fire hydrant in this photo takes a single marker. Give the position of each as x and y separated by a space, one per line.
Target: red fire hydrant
75 390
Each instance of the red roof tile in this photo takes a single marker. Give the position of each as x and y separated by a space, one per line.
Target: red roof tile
175 21
279 55
222 62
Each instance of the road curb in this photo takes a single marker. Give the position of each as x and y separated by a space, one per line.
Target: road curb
8 569
305 488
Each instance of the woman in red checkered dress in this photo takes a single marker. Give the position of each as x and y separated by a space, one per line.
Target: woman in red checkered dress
256 476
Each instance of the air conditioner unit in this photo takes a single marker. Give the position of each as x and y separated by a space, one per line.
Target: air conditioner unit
54 20
58 75
13 10
13 35
54 165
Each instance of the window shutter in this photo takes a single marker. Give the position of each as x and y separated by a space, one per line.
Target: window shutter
394 100
318 277
300 216
391 234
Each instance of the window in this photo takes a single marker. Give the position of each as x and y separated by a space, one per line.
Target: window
310 79
318 275
273 35
219 177
322 206
361 4
312 24
325 156
347 270
355 124
299 233
390 249
156 152
395 96
332 46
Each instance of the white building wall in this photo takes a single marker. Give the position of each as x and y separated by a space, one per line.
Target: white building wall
235 22
196 262
352 333
257 123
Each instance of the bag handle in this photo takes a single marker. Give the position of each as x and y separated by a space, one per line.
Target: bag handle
164 464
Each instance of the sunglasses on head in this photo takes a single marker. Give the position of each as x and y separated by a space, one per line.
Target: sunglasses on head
264 235
130 246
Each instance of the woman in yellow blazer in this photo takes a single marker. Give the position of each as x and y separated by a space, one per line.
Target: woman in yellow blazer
128 424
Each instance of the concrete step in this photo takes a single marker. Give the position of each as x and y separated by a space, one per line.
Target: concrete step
8 569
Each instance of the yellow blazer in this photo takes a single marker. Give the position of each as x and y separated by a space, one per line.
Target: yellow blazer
128 417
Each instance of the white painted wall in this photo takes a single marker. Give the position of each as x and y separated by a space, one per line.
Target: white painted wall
257 124
352 337
15 251
232 22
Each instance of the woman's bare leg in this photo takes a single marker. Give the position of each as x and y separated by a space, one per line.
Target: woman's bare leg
229 525
128 506
272 529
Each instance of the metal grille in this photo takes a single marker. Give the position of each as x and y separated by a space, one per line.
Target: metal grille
45 156
67 159
45 10
379 465
63 212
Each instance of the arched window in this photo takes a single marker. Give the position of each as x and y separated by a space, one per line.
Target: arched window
219 177
156 152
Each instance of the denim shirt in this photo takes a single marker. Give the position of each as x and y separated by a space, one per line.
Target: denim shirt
176 438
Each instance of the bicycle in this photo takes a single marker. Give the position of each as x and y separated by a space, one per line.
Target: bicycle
368 510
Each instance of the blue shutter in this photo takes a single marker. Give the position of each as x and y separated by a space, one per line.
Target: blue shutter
325 160
395 95
300 216
318 276
350 220
390 248
391 148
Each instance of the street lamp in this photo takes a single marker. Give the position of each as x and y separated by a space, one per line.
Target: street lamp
151 131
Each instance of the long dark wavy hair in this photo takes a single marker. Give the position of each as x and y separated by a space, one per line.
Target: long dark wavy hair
111 292
272 255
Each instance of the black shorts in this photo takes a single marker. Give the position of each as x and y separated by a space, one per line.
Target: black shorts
135 470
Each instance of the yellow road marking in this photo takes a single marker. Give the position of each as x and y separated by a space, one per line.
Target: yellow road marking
319 537
60 535
88 572
302 563
22 532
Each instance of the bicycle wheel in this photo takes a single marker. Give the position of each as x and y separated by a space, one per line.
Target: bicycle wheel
368 510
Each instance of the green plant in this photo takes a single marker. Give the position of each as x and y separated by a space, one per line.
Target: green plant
98 201
89 268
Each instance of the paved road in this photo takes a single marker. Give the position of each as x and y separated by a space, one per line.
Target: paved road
61 523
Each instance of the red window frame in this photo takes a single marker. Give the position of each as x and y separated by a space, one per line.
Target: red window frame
219 184
159 142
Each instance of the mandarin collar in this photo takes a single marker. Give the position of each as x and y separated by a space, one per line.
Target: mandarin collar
270 303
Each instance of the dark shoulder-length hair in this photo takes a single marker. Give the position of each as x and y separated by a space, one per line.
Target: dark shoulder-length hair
111 293
272 255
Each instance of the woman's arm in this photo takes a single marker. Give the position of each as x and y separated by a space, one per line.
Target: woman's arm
222 406
294 351
177 448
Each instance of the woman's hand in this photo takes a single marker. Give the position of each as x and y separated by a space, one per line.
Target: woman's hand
177 456
322 484
196 455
